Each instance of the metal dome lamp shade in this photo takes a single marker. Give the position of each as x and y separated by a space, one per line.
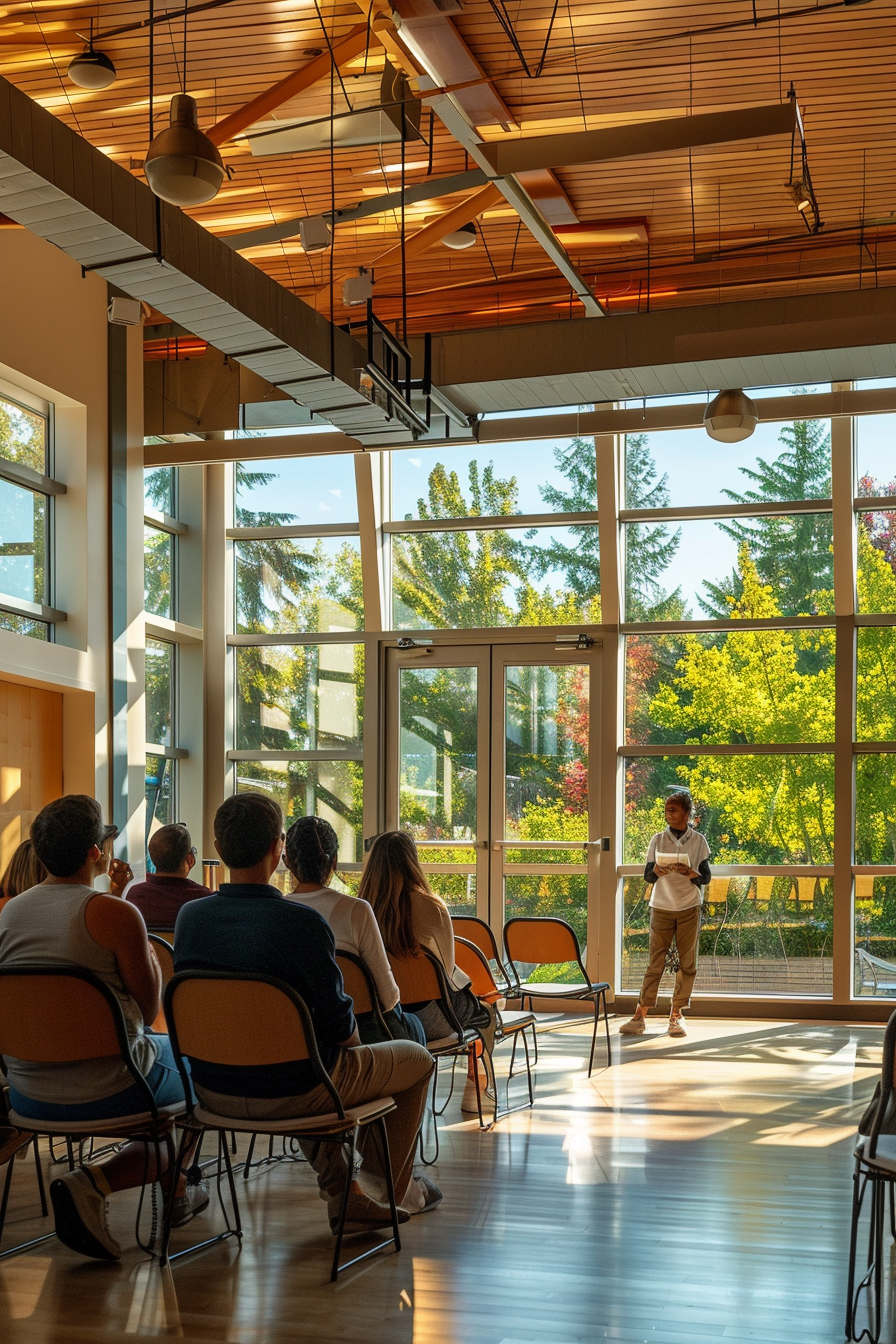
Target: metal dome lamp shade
182 165
461 238
730 417
91 70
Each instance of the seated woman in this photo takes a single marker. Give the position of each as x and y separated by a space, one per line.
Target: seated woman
311 856
411 916
23 871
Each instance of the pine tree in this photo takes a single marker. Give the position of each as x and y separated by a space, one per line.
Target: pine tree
792 553
650 548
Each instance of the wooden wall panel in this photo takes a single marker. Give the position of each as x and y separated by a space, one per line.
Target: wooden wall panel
30 759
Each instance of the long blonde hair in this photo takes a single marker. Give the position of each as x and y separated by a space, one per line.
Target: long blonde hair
23 871
391 880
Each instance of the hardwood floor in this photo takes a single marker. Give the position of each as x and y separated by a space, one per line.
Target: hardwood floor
697 1190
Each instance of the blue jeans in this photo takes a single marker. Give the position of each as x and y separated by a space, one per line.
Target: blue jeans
164 1083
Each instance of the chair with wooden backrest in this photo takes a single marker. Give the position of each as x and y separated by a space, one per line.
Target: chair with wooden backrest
65 1014
477 932
875 1165
545 941
234 1020
421 979
508 1025
165 957
360 986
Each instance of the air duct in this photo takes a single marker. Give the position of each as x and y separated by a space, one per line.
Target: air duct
57 185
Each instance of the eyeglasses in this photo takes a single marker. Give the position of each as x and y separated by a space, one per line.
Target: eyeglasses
194 851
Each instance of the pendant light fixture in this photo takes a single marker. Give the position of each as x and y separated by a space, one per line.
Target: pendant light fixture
91 69
461 238
182 165
730 417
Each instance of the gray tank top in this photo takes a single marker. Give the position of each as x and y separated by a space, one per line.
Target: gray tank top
46 924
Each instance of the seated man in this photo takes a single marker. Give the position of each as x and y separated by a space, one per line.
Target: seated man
161 896
248 926
64 921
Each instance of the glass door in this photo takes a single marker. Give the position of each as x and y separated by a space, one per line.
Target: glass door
437 785
489 768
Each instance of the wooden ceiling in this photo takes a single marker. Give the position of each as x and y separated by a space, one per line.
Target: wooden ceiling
720 222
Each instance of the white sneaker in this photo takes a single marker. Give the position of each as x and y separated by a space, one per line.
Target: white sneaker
676 1025
635 1027
80 1212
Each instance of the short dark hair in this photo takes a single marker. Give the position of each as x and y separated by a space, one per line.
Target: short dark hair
169 848
64 832
311 849
246 826
683 799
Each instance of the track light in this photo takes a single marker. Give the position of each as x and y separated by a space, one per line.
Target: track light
182 166
461 238
314 234
357 289
730 417
91 70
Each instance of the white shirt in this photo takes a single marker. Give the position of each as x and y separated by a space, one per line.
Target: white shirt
355 930
675 891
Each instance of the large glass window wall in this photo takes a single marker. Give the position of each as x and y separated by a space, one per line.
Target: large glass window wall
736 679
27 492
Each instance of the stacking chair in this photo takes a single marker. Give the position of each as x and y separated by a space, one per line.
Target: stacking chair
233 1020
166 934
875 1166
548 942
65 1014
508 1025
421 979
477 932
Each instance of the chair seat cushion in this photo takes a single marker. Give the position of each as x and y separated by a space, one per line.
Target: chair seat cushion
517 1021
550 989
300 1124
884 1157
112 1125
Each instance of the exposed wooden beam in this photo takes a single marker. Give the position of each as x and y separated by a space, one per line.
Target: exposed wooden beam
344 50
462 213
643 137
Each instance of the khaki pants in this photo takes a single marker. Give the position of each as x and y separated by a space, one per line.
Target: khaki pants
684 927
397 1069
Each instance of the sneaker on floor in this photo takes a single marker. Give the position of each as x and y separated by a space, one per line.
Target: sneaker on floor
80 1213
186 1206
421 1195
676 1025
11 1140
635 1027
363 1214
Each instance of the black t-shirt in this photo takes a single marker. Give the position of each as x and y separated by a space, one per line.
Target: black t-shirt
253 929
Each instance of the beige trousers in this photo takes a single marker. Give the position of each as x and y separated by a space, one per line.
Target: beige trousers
684 927
397 1069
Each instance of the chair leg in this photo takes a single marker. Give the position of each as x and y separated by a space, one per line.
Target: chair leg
603 995
248 1162
858 1195
593 1037
386 1160
349 1171
4 1203
39 1171
528 1066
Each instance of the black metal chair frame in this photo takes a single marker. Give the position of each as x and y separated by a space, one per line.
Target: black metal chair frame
513 1028
591 989
149 1127
866 1173
344 1131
